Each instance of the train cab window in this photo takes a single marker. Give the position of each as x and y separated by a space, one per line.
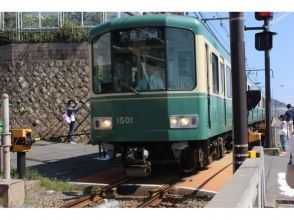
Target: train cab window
102 78
181 59
215 73
139 59
229 81
144 59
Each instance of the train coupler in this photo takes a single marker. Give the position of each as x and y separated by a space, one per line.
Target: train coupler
142 170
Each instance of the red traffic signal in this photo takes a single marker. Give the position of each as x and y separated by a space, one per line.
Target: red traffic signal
260 16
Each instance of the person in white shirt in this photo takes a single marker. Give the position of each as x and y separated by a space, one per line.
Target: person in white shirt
283 131
72 108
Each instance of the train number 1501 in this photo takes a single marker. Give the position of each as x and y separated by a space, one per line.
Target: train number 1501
124 120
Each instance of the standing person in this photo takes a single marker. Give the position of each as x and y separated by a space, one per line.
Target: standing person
289 113
283 132
72 108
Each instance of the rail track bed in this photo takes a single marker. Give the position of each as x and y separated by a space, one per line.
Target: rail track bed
160 196
167 201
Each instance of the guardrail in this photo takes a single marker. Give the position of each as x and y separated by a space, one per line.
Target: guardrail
246 189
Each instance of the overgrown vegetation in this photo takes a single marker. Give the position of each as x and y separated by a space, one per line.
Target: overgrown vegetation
50 184
70 32
4 38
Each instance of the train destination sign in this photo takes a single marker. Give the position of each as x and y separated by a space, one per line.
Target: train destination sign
139 34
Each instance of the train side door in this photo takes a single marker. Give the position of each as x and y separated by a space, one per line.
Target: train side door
207 59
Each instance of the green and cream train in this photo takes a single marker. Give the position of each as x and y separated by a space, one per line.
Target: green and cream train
161 92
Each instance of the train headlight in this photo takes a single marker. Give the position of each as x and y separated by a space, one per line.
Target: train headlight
102 123
184 121
173 122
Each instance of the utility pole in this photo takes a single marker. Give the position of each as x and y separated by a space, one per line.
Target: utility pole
239 86
268 140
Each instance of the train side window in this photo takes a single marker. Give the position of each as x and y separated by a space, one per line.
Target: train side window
207 66
229 81
215 73
222 77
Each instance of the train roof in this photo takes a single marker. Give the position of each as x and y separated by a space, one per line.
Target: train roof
185 22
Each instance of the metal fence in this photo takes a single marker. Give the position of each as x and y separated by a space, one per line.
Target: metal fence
45 20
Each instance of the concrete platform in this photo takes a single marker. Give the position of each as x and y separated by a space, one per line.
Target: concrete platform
279 177
11 193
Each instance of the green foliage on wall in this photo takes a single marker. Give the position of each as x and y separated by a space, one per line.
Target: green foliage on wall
70 32
4 38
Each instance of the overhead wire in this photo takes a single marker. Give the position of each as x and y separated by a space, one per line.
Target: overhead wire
206 25
278 19
223 25
215 30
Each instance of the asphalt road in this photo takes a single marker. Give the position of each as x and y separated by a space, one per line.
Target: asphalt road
62 160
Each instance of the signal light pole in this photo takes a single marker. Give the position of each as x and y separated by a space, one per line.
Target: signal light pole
239 87
264 42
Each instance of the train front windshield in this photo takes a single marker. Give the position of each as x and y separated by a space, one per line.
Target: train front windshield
144 59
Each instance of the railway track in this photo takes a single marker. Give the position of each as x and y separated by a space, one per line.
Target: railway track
157 194
96 197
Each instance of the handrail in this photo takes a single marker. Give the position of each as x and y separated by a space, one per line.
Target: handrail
246 189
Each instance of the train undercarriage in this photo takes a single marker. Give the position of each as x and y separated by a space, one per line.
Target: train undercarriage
139 158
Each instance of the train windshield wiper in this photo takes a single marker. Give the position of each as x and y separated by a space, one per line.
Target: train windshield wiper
129 87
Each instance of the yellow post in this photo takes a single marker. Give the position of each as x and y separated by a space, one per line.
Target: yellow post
252 154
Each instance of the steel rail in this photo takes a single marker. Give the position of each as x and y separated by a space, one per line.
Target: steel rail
157 193
96 197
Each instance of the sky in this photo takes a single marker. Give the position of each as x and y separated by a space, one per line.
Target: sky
281 58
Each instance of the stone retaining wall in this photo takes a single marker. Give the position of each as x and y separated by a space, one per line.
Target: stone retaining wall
40 79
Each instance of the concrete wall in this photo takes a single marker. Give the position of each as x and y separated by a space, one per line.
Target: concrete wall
40 79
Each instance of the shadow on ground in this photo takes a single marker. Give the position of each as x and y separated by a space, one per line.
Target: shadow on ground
72 168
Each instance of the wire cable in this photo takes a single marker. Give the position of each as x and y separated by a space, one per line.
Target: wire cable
215 30
223 25
278 19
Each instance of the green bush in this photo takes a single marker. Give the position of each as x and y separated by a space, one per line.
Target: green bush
72 33
38 37
68 33
4 38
